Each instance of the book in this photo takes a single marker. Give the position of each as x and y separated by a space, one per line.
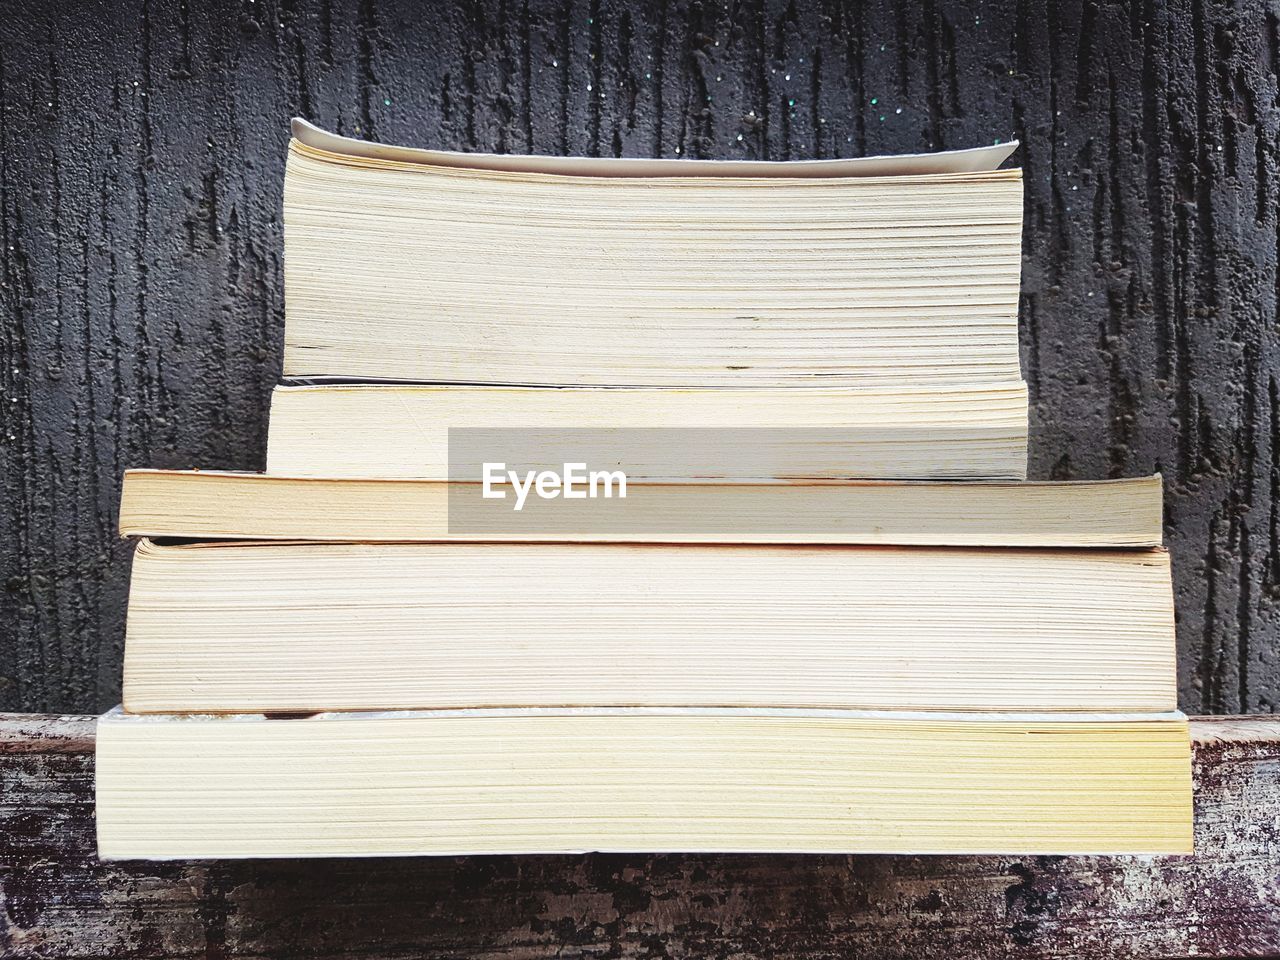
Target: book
558 781
226 626
202 504
739 645
406 264
446 432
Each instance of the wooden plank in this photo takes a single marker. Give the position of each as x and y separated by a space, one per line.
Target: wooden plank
58 901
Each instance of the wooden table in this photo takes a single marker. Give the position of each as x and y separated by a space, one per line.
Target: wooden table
58 900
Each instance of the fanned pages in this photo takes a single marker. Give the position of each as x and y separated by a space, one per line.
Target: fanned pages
421 265
911 433
246 627
213 505
972 160
515 782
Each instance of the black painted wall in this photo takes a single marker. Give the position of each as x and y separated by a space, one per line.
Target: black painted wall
141 153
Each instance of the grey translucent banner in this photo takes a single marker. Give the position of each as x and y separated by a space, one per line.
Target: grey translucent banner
696 483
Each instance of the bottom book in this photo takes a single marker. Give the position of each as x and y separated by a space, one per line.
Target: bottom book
641 780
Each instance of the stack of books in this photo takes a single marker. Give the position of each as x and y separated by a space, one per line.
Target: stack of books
639 505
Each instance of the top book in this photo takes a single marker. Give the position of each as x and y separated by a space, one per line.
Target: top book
405 264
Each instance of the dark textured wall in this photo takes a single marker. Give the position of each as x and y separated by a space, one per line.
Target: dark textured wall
141 153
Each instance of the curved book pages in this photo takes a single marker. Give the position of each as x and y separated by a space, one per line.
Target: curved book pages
973 160
250 626
407 264
559 781
249 506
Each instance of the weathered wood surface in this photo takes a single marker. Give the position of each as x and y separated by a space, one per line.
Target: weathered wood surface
58 901
142 146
